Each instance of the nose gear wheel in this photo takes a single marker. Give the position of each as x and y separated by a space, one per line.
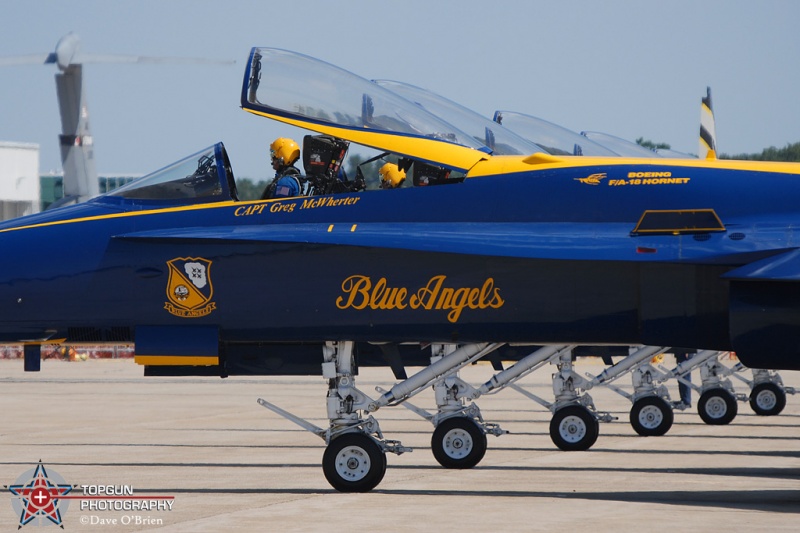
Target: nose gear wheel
651 416
717 407
767 399
354 462
458 443
574 428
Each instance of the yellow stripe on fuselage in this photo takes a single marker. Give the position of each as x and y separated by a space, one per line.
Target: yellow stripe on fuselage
506 164
160 211
175 360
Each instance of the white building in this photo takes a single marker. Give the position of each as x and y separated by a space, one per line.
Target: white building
19 179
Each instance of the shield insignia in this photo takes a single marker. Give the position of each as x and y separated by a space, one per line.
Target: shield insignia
189 288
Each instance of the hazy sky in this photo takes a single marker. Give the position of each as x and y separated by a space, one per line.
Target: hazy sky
629 68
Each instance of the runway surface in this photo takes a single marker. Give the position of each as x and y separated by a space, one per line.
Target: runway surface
224 462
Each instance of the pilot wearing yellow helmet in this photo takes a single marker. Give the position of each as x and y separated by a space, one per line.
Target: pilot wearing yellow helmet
391 176
284 153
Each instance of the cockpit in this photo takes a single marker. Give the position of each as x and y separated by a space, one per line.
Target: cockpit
205 176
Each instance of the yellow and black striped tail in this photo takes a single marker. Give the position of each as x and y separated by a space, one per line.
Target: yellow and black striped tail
708 134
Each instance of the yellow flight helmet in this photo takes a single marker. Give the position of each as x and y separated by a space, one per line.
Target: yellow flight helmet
391 176
285 150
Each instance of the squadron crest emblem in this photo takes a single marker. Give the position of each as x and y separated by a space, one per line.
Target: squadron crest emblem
189 288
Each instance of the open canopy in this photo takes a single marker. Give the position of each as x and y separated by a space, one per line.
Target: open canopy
557 139
318 96
620 146
498 139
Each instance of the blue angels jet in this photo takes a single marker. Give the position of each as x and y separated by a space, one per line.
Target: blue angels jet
476 252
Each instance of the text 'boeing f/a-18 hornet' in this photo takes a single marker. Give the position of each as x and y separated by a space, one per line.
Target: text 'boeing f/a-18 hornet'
493 249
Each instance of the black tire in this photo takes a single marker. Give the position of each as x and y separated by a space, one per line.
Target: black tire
767 399
651 416
459 443
717 407
354 462
573 428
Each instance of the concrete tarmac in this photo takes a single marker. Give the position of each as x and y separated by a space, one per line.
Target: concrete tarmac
226 463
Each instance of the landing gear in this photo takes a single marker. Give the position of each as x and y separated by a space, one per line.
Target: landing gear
458 443
355 456
717 407
459 440
354 462
651 416
574 428
767 391
651 413
767 399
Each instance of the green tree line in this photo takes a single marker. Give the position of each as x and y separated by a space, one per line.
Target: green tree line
790 153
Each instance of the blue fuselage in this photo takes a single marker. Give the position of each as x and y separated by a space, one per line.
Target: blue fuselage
543 256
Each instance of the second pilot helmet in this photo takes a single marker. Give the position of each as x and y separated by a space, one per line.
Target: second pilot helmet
391 176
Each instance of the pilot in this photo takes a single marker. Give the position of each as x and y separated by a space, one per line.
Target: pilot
391 176
284 153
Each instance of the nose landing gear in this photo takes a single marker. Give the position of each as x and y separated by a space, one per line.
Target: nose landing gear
458 443
354 462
